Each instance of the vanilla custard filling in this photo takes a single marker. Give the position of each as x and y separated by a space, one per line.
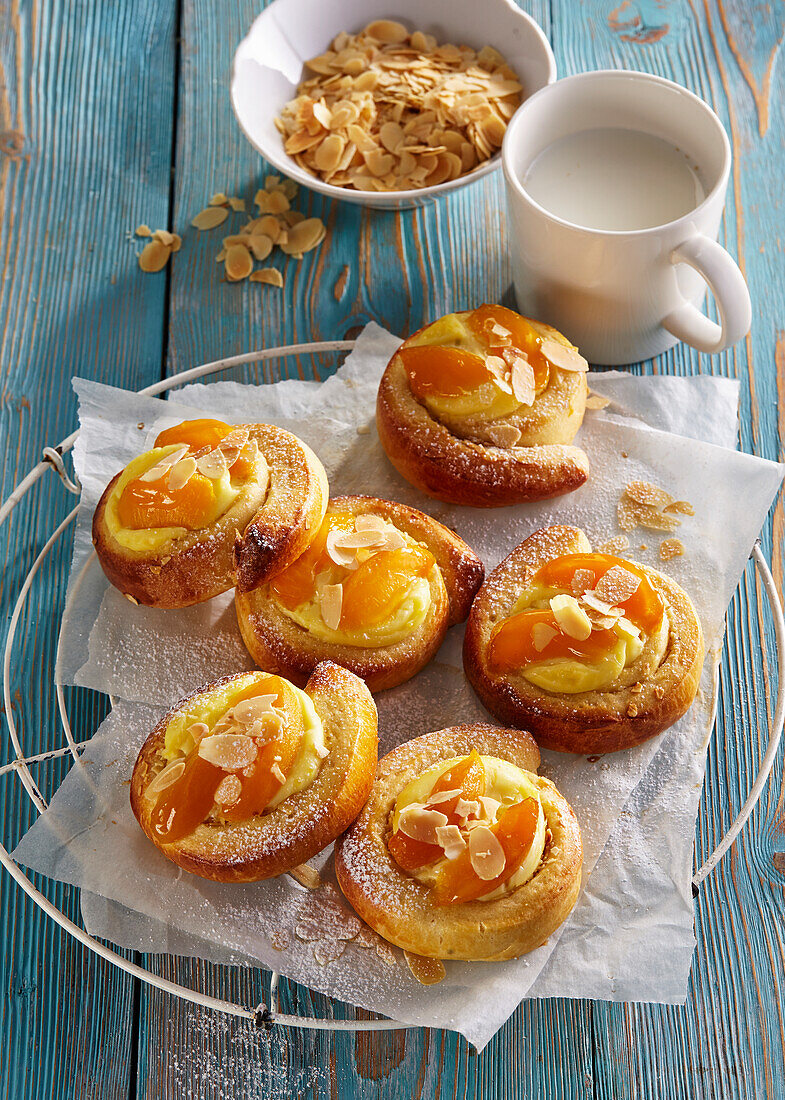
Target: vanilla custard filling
209 708
506 784
406 617
226 490
571 676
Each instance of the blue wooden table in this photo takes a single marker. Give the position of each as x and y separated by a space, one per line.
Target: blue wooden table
115 112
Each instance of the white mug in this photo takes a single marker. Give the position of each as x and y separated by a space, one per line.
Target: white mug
624 295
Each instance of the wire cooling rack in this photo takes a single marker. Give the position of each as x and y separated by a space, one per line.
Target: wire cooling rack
263 1015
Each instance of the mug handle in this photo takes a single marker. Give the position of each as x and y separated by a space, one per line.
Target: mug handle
730 291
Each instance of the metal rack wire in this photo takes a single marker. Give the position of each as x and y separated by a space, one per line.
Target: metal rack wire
262 1015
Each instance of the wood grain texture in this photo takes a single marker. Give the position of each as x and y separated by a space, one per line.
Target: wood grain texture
88 114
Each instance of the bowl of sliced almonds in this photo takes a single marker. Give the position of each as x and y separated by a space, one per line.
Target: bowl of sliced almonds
387 103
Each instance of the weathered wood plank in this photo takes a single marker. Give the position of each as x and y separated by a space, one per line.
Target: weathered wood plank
86 95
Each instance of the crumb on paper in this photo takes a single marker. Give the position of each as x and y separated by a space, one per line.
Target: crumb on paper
671 548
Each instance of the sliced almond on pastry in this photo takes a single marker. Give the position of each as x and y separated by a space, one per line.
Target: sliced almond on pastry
504 435
571 617
626 628
542 635
617 585
490 806
562 356
230 751
213 464
437 797
643 492
343 557
181 473
419 823
163 465
600 606
248 711
330 604
486 854
522 380
165 778
466 808
370 523
450 840
228 791
582 581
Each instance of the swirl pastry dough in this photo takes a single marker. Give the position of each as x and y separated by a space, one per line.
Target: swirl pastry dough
462 851
590 652
480 407
375 591
209 507
249 776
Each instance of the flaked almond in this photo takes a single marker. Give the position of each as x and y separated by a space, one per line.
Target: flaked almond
597 401
181 473
522 381
228 791
683 507
153 257
627 514
617 585
197 730
212 464
238 263
330 604
269 275
486 854
307 876
582 581
643 492
393 540
655 520
218 199
163 465
261 245
504 435
563 356
143 231
626 628
615 545
277 773
210 217
165 778
345 558
322 114
671 548
571 617
450 840
387 30
542 635
419 823
426 971
435 798
237 204
490 807
356 540
602 607
466 807
250 710
230 751
329 153
370 522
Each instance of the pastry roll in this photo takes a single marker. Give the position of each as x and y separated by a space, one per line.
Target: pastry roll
250 776
210 506
462 851
590 652
375 591
480 407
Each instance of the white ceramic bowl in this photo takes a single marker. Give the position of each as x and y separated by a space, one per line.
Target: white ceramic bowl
268 65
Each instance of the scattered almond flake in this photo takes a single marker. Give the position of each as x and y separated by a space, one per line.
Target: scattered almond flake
228 791
683 507
131 599
292 217
562 356
230 751
386 109
643 492
582 581
356 540
304 236
307 876
269 275
671 548
218 199
250 710
238 263
450 840
571 617
597 401
279 939
165 778
486 854
342 557
163 464
504 435
154 257
212 465
654 520
617 585
330 604
143 231
419 823
261 245
466 808
591 600
435 798
522 381
369 522
614 545
490 806
238 205
542 635
626 628
181 473
171 240
197 730
276 771
426 971
210 217
627 515
327 951
321 751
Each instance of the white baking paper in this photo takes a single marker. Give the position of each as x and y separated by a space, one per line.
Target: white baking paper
640 888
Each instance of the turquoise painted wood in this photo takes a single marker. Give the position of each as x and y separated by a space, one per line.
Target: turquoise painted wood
112 114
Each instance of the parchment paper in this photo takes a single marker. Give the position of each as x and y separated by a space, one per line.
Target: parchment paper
149 659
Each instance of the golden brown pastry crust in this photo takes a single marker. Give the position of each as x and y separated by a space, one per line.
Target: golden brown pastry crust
593 721
277 644
276 526
402 909
302 824
475 471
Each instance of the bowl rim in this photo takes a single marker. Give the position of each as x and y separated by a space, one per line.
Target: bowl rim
413 196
